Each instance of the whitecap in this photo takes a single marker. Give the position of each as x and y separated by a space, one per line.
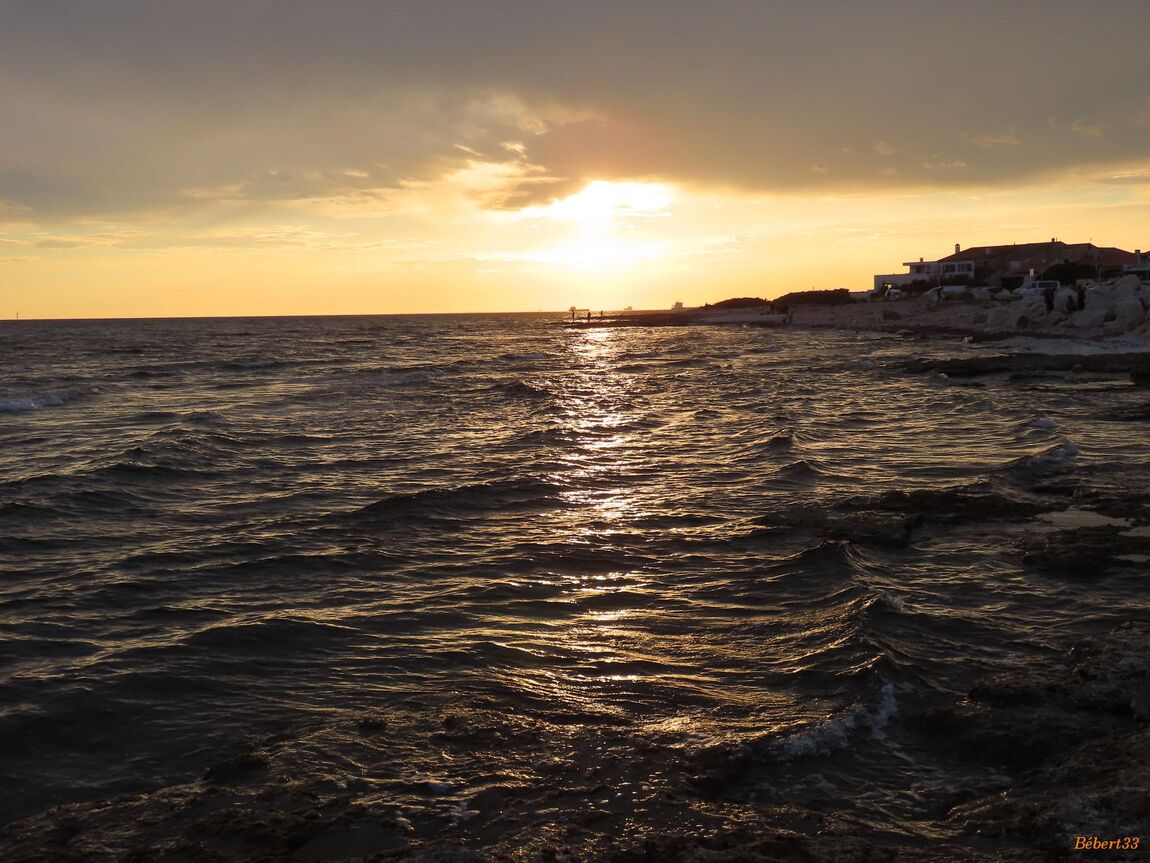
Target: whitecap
836 733
1056 455
32 403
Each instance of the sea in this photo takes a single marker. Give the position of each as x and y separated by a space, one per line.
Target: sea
487 586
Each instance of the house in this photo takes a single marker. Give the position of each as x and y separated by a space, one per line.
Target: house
928 272
1008 266
1140 267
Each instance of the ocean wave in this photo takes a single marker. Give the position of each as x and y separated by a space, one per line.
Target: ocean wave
135 471
783 440
180 449
203 417
464 500
553 436
838 732
34 403
280 634
799 471
399 377
32 513
523 390
252 364
1050 458
524 357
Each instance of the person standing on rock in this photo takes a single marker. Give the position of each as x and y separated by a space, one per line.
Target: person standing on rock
1048 295
1081 298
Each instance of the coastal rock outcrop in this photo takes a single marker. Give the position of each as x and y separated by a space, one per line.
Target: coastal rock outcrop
1077 734
1006 319
1140 372
1030 363
1088 319
1085 552
1128 313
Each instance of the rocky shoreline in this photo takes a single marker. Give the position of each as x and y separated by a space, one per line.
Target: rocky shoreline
1113 309
1135 363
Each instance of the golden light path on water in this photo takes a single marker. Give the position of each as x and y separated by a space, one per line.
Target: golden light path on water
632 646
601 417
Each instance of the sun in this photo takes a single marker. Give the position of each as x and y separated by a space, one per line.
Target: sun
601 202
602 216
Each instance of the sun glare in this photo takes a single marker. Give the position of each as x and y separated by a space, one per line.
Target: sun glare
603 201
598 214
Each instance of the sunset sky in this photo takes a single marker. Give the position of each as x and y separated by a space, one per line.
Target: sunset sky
346 156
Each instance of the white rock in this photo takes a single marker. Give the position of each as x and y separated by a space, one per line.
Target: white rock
1129 312
1088 318
1127 286
1104 294
1033 307
1001 319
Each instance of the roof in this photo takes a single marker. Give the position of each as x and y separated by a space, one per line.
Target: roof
1056 250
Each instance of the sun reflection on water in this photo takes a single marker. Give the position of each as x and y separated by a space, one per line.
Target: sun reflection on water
601 413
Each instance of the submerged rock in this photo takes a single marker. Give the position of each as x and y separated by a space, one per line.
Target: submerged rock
1073 736
1140 372
876 527
984 365
1084 552
951 504
890 518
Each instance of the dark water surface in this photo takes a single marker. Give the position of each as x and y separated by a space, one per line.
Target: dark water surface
495 578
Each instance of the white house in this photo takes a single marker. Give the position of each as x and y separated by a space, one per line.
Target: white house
924 271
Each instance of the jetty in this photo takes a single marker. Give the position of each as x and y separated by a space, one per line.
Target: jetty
741 311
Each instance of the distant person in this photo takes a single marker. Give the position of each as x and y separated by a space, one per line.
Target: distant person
1081 298
1048 295
588 316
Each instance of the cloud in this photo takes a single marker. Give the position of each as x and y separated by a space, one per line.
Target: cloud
1085 130
93 239
1079 128
10 211
985 141
938 163
60 243
349 105
1130 178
